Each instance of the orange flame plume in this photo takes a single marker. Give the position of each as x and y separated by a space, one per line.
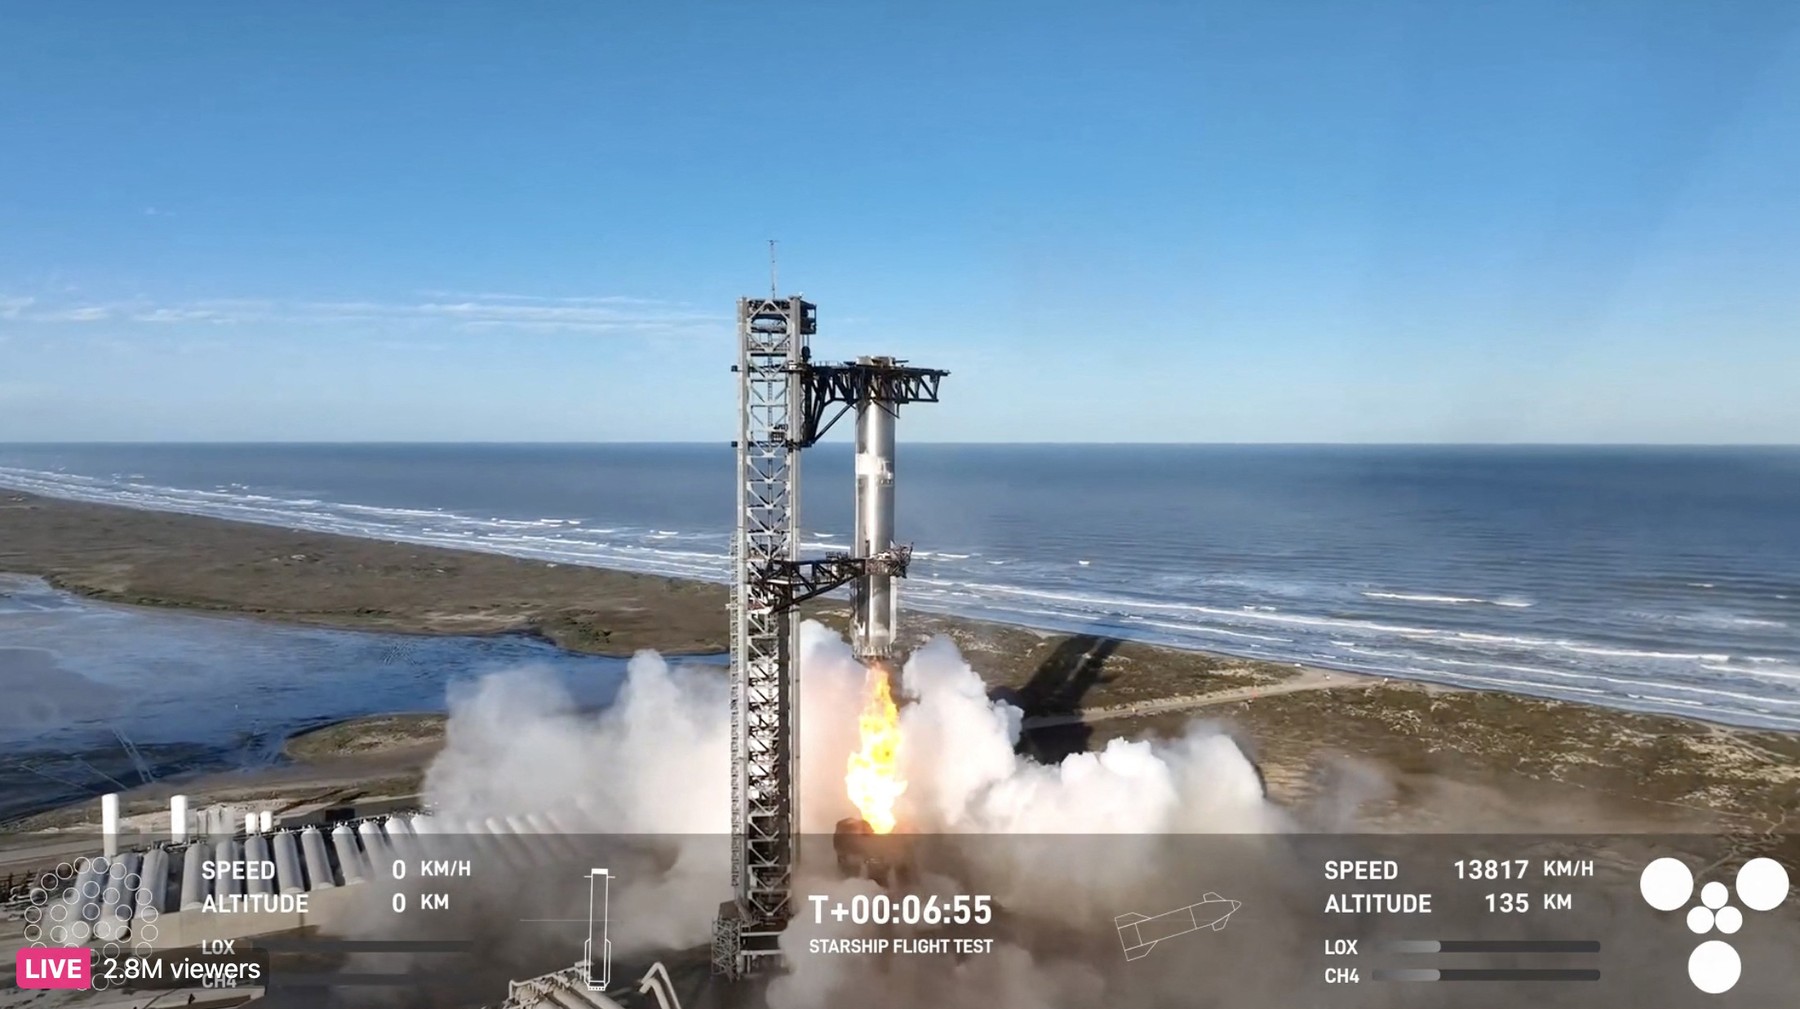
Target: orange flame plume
873 778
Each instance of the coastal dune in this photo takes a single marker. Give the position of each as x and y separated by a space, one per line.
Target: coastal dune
152 558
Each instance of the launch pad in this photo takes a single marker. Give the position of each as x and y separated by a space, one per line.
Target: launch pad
786 403
863 854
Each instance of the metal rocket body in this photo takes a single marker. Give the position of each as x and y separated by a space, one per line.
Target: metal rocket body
876 603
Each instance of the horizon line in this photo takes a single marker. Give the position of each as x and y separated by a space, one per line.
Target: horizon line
722 443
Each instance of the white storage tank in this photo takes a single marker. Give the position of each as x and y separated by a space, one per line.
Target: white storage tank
256 851
178 818
227 883
153 894
84 907
109 822
194 886
350 860
287 863
318 863
375 850
116 898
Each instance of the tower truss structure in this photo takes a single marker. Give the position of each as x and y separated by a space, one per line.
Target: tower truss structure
783 402
772 349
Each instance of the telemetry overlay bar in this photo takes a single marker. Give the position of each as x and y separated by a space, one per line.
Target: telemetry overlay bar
1489 946
1484 974
348 980
303 945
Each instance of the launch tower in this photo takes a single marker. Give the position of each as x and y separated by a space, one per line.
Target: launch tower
785 404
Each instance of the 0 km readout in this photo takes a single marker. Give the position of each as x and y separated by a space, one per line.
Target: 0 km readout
912 909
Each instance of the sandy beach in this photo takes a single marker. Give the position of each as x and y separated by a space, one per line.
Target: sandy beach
1340 750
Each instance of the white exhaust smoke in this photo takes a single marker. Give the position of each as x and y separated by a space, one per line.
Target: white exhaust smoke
656 762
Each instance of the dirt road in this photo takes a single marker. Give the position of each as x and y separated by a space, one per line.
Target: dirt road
1310 679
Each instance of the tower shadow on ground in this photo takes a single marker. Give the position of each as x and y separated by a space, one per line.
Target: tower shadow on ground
1057 687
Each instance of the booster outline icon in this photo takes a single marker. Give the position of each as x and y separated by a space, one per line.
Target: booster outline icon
1140 933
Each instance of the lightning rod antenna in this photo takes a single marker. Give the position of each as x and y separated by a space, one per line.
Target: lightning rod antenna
772 283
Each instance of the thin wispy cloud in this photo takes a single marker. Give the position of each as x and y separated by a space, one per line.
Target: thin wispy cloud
487 312
184 315
82 313
615 299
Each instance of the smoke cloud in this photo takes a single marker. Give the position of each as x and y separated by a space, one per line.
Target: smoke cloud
1112 812
656 762
1145 826
653 762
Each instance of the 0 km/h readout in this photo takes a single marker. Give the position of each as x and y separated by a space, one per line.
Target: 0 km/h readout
912 909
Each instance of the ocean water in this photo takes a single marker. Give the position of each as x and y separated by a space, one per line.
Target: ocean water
1659 579
79 680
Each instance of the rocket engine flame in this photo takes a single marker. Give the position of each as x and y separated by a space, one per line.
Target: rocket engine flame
873 777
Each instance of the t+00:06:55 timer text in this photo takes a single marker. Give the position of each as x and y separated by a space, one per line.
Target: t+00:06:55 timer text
912 909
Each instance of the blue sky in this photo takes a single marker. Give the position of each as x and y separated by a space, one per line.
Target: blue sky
1274 221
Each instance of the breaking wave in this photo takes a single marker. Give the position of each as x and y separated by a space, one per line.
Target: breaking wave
1718 659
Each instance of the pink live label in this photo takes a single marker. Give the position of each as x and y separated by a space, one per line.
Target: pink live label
53 968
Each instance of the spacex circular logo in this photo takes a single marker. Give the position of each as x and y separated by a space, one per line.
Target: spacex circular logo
1667 884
